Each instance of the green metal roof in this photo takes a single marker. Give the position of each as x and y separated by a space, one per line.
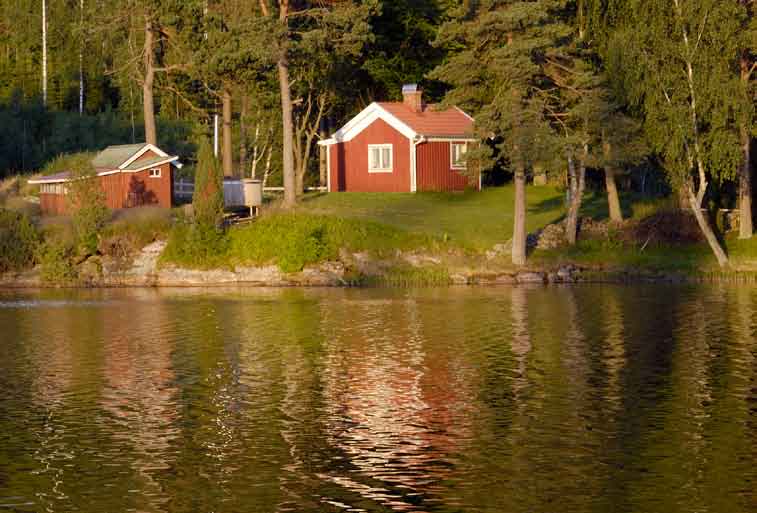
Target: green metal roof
145 163
113 156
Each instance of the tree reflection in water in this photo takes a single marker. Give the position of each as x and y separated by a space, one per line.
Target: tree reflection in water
586 398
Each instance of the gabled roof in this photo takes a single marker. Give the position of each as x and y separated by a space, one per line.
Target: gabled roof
113 156
432 122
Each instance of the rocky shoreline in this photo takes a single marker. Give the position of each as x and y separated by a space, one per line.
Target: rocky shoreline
351 270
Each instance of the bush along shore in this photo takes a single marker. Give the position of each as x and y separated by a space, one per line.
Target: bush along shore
154 247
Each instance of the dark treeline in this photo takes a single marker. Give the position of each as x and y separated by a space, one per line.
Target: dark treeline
556 86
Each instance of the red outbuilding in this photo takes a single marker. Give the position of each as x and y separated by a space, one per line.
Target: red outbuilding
131 175
403 146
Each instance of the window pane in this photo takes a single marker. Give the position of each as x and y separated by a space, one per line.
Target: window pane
386 161
375 158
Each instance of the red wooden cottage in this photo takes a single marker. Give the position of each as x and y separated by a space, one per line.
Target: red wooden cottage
131 175
403 146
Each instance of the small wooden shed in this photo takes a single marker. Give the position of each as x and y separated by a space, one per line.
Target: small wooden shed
131 175
403 146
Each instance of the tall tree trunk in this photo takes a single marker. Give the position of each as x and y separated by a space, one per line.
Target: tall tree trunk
148 102
322 162
290 182
519 215
81 61
44 52
745 186
746 227
285 87
243 136
613 200
577 192
228 159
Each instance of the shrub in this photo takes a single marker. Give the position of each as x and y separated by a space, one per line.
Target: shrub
57 252
288 240
56 257
18 241
67 162
208 193
199 245
86 200
134 229
294 240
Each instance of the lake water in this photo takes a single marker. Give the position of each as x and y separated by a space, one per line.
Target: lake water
547 399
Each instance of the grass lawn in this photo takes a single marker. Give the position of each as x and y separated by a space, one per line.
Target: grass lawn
473 220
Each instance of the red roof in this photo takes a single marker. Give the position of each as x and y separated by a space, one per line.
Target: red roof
433 121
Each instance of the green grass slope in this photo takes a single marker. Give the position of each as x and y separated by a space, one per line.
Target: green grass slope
472 220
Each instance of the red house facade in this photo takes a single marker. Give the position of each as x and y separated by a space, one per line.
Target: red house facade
130 175
403 146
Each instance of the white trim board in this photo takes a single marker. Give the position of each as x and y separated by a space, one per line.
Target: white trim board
363 120
145 149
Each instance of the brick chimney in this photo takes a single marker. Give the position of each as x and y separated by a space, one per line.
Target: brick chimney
412 96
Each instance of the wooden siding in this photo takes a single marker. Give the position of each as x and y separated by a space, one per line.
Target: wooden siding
123 190
52 204
349 162
434 169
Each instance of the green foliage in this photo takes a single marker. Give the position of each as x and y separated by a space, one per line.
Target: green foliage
86 201
208 193
196 245
474 221
133 229
294 240
57 253
290 241
33 138
18 241
410 276
678 68
68 161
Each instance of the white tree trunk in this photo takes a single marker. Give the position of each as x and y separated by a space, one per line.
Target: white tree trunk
267 166
44 52
81 61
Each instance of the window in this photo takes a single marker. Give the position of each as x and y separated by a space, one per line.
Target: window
380 158
52 188
457 155
155 172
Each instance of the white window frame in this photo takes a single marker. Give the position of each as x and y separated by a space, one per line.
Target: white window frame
381 147
452 145
151 173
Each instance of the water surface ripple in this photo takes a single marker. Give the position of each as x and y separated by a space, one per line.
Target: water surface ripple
579 399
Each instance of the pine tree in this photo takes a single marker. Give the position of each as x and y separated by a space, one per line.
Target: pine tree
208 193
495 68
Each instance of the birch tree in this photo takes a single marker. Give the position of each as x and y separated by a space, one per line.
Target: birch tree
677 58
